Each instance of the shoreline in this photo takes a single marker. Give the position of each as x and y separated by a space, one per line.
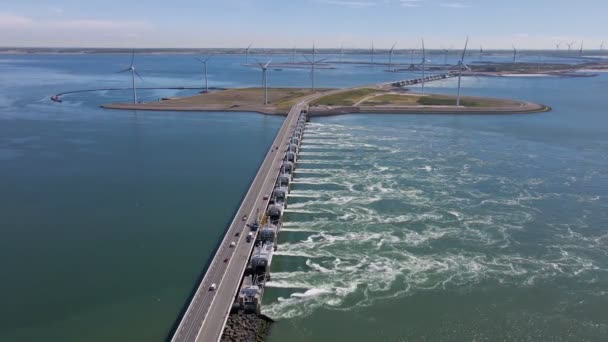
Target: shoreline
517 107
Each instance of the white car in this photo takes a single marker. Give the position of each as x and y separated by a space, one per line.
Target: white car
232 244
213 287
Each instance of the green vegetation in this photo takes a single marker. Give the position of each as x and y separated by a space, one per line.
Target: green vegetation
392 99
446 101
347 98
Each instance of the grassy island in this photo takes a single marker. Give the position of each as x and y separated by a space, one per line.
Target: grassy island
373 99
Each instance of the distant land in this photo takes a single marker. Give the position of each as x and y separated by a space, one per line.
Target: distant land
258 50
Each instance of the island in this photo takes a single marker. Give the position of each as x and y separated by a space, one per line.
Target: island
367 99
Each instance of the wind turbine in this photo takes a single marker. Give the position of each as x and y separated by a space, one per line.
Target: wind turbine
445 56
390 56
293 56
313 64
514 53
133 73
264 68
204 62
247 53
423 65
580 52
557 45
570 46
460 66
341 52
372 56
480 52
602 46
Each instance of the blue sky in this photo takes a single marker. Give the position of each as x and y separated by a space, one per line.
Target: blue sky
285 23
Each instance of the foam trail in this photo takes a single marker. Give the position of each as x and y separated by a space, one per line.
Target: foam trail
400 210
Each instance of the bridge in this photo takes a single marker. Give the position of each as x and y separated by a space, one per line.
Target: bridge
208 311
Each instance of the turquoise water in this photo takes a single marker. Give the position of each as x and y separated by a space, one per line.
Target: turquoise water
399 227
109 217
443 227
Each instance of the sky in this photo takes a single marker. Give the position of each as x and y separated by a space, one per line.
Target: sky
493 24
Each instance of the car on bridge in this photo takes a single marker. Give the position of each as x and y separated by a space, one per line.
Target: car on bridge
213 287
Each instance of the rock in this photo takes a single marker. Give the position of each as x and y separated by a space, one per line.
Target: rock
242 327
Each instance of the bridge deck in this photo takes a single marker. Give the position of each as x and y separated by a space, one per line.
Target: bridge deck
207 313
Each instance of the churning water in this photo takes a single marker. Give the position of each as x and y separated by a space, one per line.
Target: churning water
444 228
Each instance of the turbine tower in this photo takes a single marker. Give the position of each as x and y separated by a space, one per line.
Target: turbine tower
423 65
514 54
602 46
264 68
480 52
460 66
341 52
293 56
445 56
133 74
372 55
204 61
390 56
313 63
580 51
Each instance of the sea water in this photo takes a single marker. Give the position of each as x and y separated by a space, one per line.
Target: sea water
399 227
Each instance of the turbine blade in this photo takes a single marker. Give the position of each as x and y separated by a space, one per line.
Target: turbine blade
133 58
138 75
267 64
120 72
321 60
464 51
308 59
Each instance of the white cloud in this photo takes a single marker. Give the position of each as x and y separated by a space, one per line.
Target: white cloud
11 21
348 3
455 5
17 22
55 10
21 30
411 3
